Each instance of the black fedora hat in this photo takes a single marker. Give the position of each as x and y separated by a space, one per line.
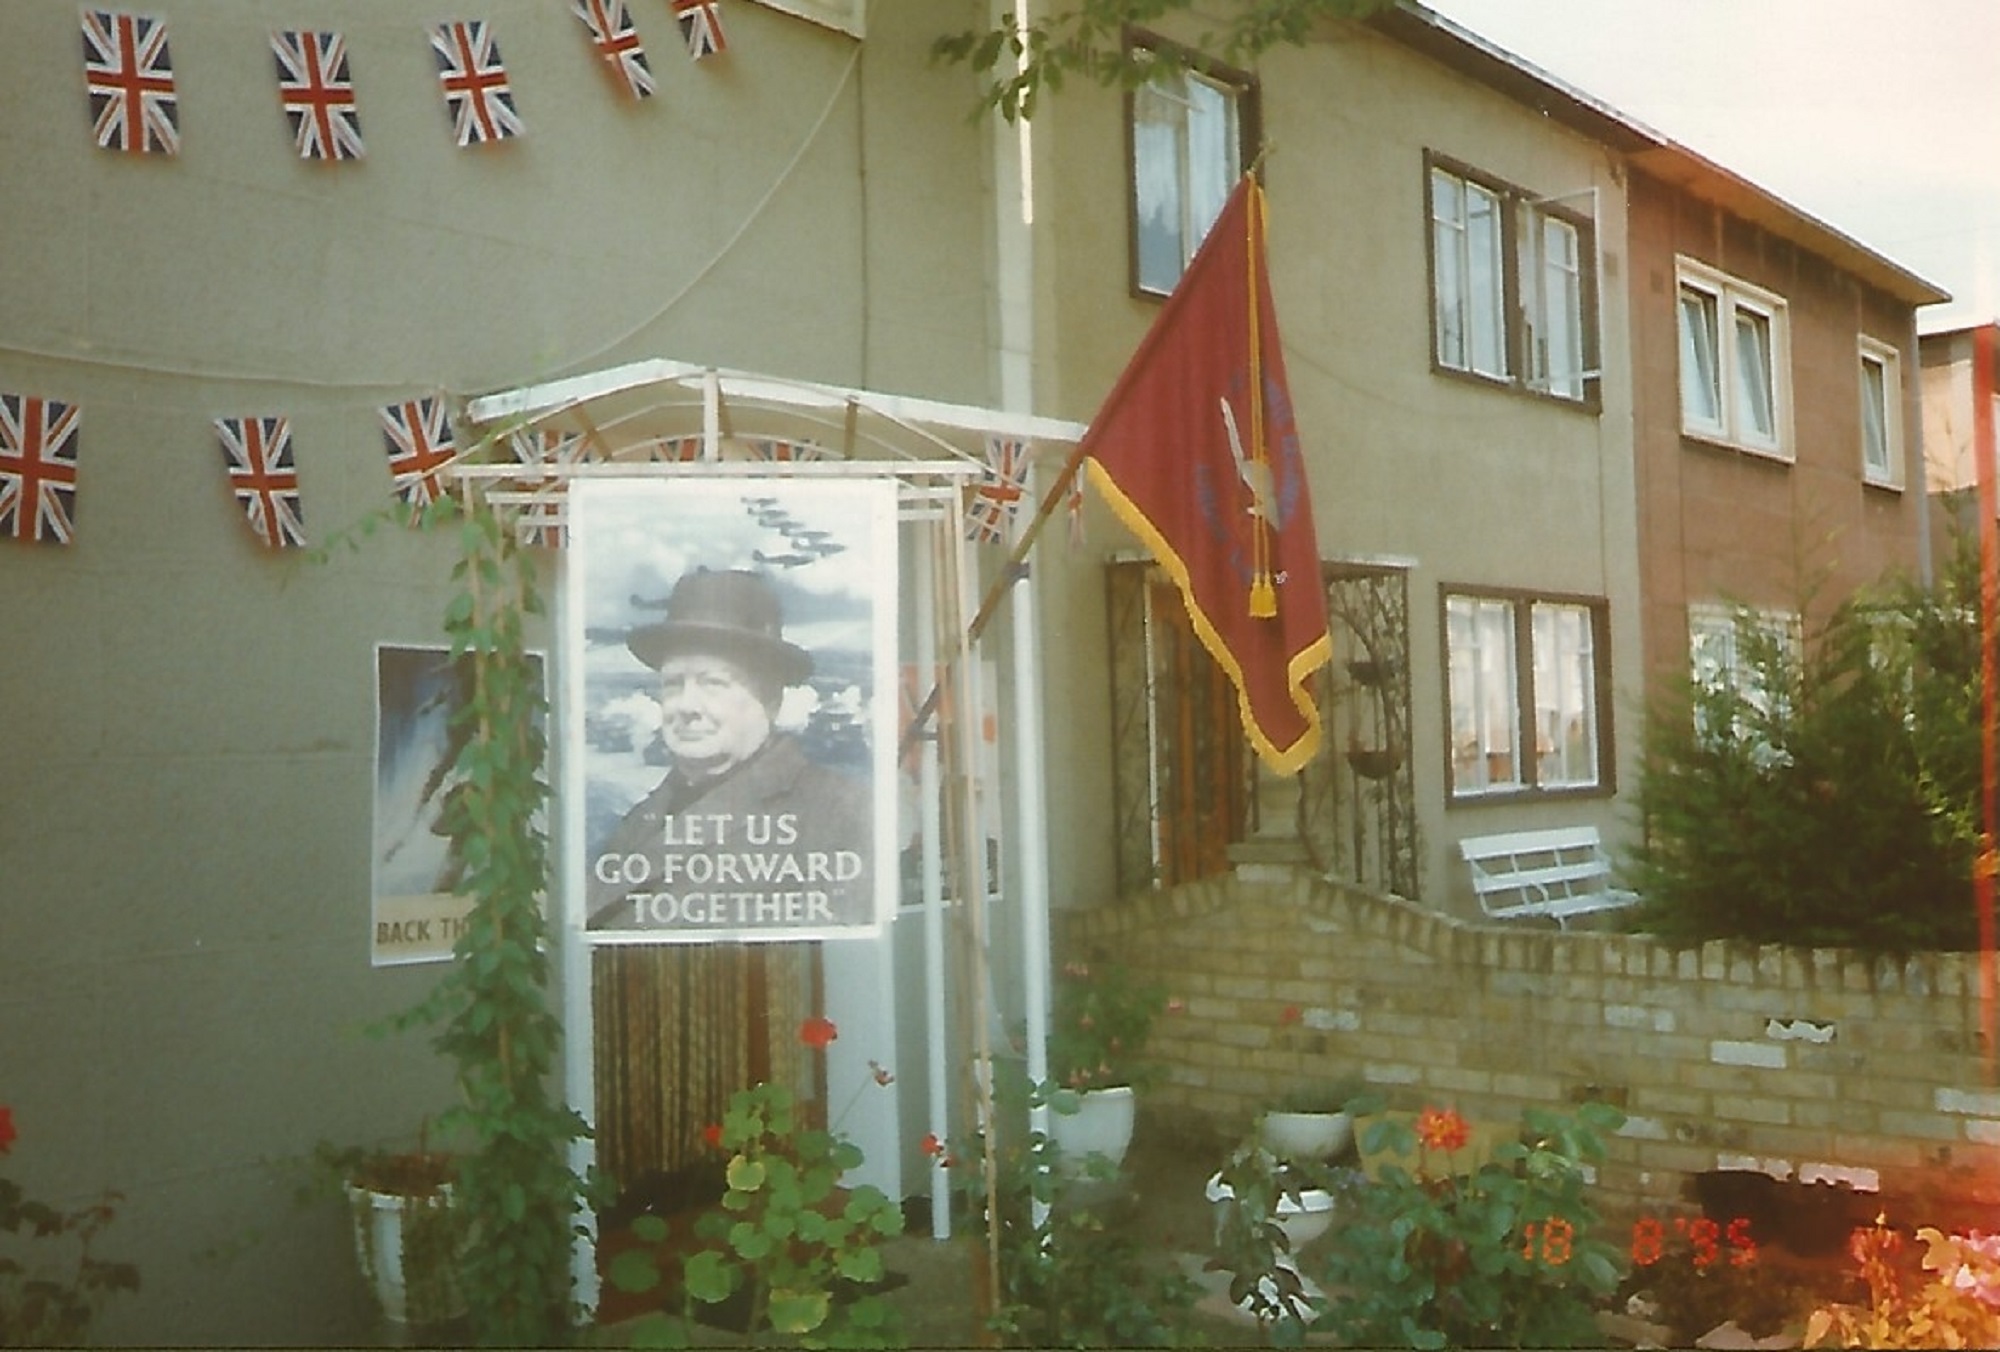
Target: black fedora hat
733 614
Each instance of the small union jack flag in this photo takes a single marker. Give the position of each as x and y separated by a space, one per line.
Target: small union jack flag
475 83
617 43
131 79
318 94
997 498
38 443
788 452
258 452
541 521
420 446
701 27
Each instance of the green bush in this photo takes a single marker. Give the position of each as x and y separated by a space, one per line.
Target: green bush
1826 797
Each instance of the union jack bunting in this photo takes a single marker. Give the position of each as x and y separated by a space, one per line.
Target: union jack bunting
131 78
258 452
677 450
997 498
420 445
541 521
701 27
38 443
318 94
617 43
475 83
788 452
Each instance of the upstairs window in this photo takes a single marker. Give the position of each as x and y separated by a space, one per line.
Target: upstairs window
1189 130
1513 290
1735 355
1881 414
1522 678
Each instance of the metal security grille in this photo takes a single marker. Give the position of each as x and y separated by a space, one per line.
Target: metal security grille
1358 800
1182 768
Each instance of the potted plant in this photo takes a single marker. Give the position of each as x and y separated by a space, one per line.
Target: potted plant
1312 1121
1100 1024
1266 1210
408 1238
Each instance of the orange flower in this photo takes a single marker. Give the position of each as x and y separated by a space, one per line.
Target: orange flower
932 1146
1442 1129
711 1135
817 1032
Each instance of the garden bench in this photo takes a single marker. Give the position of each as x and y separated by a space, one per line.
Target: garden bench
1549 875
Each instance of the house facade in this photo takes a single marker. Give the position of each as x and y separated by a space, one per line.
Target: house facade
186 850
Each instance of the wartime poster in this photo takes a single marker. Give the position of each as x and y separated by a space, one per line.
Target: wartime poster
417 913
732 645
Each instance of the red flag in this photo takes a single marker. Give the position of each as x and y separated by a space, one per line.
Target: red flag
1197 451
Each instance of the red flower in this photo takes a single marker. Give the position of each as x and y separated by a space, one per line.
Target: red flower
712 1135
817 1032
1290 1015
6 1128
932 1146
1442 1129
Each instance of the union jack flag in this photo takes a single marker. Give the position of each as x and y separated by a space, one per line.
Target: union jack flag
318 94
997 498
420 445
787 452
475 82
677 450
617 43
701 27
38 443
541 522
131 79
258 452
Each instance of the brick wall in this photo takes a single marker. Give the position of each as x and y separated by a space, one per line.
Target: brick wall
1803 1063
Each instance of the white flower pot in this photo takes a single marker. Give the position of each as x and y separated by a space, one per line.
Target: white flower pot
1302 1221
425 1290
1306 1136
1101 1125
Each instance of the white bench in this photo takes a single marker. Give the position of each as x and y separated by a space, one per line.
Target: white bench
1550 875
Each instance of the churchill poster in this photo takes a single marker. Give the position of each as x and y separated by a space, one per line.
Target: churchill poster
735 640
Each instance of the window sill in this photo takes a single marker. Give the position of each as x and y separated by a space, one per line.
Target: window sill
1768 454
1591 403
1881 485
1525 793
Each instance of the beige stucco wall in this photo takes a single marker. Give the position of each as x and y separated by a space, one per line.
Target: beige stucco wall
1471 486
185 804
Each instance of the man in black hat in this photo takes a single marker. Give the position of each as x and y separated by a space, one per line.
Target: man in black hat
745 832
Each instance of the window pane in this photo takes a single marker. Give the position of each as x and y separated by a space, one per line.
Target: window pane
1485 319
1875 418
1701 375
1753 377
1212 156
1565 697
1559 322
1448 251
1156 117
1484 733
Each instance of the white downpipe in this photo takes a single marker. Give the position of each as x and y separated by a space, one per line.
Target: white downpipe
579 1030
936 1028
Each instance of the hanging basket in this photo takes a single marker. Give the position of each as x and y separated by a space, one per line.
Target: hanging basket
409 1246
1374 762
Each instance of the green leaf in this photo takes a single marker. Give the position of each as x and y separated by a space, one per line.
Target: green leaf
796 1312
745 1174
708 1277
860 1265
750 1241
634 1272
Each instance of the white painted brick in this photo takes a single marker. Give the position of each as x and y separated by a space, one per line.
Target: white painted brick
1971 1104
1983 1130
1724 1053
1627 1016
1776 1168
1801 1030
1645 1129
1379 1074
1861 1180
1332 1020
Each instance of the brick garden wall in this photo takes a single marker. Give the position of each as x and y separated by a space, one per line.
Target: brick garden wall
1819 1065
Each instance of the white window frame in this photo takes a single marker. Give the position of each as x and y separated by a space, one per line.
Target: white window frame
1713 358
1881 413
1513 287
1494 699
1186 128
1716 660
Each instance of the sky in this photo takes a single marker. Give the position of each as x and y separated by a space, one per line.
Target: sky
1881 120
